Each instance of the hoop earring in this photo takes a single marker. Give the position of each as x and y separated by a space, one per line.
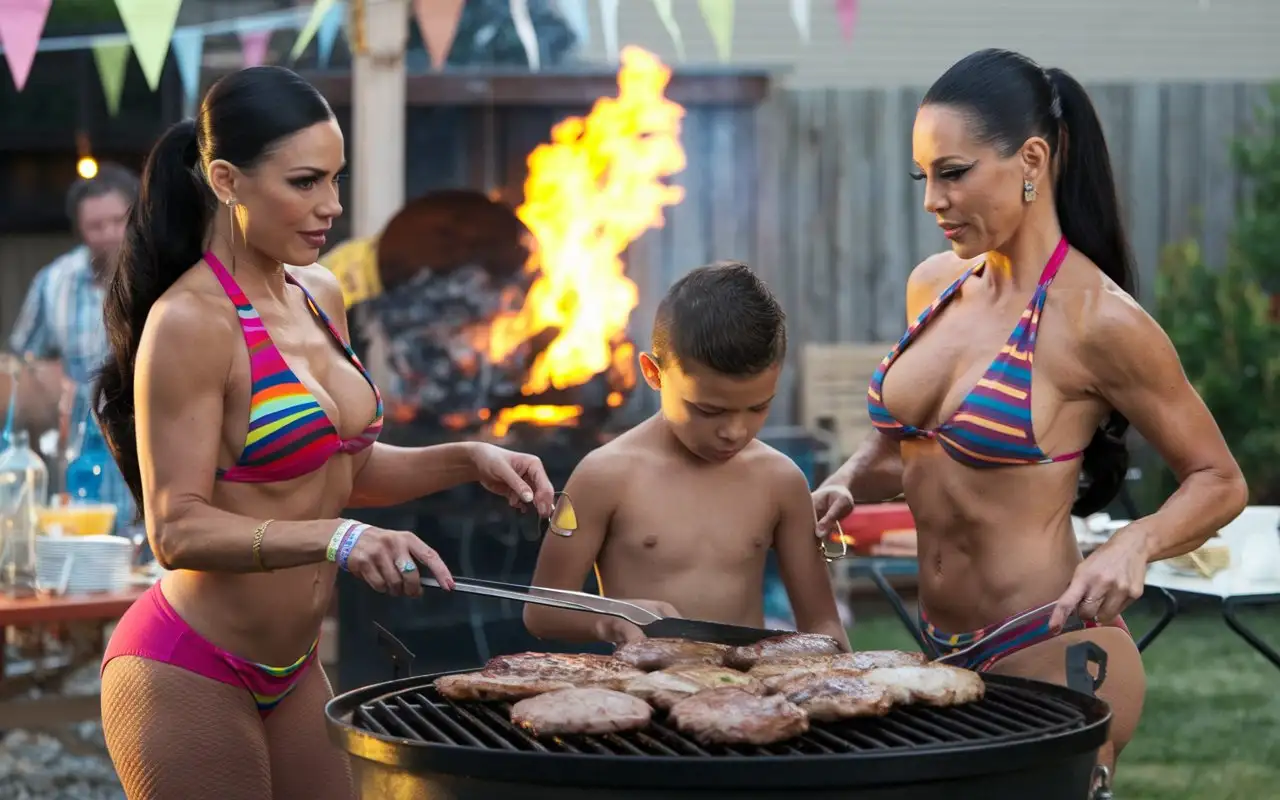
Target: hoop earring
1028 192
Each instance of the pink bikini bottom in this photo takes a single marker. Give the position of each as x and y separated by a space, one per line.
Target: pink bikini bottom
151 629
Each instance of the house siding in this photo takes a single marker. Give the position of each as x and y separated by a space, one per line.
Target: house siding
911 42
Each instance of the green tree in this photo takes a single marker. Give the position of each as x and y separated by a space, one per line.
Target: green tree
1224 321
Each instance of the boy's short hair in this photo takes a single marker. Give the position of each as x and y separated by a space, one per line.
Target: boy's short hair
723 317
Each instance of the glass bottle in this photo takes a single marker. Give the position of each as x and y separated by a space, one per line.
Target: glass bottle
24 490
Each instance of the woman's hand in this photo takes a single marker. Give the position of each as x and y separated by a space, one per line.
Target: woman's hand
619 631
1106 582
519 477
389 560
831 504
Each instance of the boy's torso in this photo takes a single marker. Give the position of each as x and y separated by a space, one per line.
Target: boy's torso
692 534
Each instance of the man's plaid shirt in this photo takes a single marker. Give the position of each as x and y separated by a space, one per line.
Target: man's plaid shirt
62 319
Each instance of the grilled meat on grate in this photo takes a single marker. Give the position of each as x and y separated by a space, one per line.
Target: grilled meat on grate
579 669
835 695
772 670
932 684
479 686
651 654
665 688
787 645
589 711
732 716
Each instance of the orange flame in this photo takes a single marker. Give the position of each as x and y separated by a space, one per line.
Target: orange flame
595 189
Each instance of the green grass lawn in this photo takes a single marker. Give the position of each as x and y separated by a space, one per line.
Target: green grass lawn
1211 724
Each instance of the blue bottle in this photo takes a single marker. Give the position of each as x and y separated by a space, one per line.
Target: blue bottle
84 473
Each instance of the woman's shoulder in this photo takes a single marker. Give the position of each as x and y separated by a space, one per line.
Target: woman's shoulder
932 276
322 284
193 309
1109 325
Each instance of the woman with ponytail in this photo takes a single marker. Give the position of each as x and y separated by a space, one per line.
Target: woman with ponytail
1018 177
244 424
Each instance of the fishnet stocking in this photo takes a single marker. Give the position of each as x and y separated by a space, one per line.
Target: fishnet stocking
174 735
304 763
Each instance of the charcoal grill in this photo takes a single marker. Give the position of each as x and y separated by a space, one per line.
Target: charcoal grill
1025 739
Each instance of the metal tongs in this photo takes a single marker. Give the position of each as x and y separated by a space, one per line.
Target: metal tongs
653 625
1012 622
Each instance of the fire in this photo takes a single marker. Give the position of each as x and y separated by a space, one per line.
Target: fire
595 189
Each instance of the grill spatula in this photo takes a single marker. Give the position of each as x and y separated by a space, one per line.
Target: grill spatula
653 625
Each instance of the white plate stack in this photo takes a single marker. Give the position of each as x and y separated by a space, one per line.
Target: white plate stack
96 563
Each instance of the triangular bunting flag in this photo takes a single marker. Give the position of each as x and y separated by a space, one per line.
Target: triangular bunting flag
800 16
112 59
21 23
524 29
438 21
308 32
576 17
719 17
253 47
609 25
848 11
149 24
188 52
328 32
667 14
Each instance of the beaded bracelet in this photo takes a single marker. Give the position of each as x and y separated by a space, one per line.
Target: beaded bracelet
349 544
331 554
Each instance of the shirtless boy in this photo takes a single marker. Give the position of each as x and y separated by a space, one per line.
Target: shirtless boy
678 514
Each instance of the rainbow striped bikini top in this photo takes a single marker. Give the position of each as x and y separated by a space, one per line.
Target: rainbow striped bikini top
290 434
992 427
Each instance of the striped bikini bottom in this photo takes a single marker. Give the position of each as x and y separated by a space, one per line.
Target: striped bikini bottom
151 629
991 648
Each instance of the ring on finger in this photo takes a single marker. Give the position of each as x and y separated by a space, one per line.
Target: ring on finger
407 566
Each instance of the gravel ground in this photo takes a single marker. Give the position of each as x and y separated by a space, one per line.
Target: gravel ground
38 766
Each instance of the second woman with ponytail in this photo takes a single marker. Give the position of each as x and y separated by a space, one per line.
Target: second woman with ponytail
1002 411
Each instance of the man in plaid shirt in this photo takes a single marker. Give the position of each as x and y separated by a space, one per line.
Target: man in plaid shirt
61 317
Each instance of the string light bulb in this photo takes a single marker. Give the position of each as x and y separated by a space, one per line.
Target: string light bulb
87 167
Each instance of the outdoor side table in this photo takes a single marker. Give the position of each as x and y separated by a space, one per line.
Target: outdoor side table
1231 588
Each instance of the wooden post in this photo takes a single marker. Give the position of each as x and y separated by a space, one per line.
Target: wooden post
378 116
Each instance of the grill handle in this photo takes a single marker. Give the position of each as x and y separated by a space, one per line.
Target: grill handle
401 657
1079 657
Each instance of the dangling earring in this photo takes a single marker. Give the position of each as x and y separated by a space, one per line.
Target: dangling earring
1028 192
231 220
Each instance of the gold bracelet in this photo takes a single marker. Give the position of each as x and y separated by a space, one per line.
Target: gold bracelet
257 545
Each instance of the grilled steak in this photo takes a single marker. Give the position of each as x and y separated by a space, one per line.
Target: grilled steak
771 671
651 654
665 688
470 686
875 659
732 716
578 669
932 684
789 644
582 711
835 695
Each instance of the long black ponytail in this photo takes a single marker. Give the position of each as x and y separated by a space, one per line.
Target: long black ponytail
1010 98
243 116
164 239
